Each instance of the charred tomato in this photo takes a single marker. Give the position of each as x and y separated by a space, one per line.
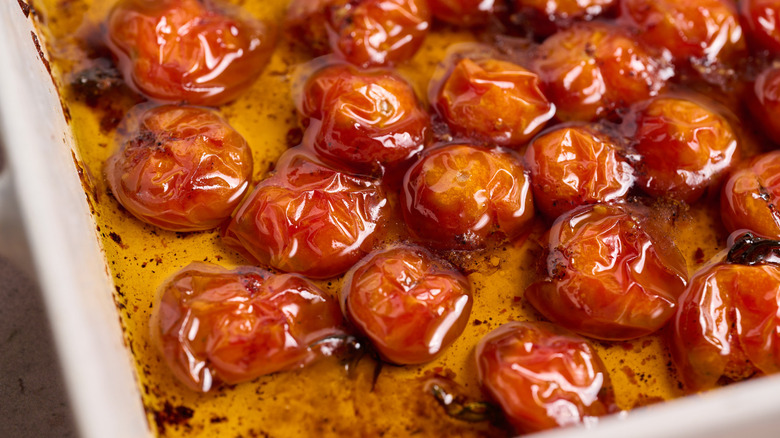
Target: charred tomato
751 195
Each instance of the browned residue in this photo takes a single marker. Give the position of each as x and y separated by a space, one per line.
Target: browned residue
26 9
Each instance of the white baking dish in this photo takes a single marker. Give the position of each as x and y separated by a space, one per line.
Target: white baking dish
77 289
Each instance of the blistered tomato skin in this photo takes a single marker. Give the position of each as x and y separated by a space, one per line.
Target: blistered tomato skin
545 17
543 376
187 50
682 148
308 218
410 304
762 23
214 325
463 196
764 104
180 168
494 101
576 165
751 196
464 13
593 69
608 277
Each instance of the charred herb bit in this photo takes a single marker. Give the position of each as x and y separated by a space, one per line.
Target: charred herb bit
750 250
460 409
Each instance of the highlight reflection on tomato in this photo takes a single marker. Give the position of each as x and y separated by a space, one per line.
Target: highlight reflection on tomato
309 218
214 325
764 104
180 168
464 13
543 376
610 274
751 195
545 17
762 23
188 50
410 304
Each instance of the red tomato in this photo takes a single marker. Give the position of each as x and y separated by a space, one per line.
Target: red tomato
764 104
593 69
309 218
610 275
762 23
214 325
543 376
410 304
188 50
494 101
751 195
728 325
464 13
576 165
545 17
180 168
458 196
364 32
683 148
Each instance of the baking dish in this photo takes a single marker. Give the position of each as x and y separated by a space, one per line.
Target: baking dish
77 287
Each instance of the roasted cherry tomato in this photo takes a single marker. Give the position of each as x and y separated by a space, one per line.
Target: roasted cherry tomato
751 196
493 101
765 102
464 13
610 274
458 196
188 50
364 32
704 30
309 218
592 69
545 17
180 168
682 148
762 23
543 376
410 304
576 165
214 325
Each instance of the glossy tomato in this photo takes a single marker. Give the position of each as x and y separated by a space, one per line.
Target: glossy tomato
610 275
762 23
410 304
464 13
543 376
545 17
214 325
764 103
179 168
188 50
751 196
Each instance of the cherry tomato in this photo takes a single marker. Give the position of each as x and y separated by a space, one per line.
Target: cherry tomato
180 168
764 104
545 17
494 101
751 196
610 275
576 165
460 195
762 21
188 50
728 325
214 325
309 218
592 69
363 32
465 13
410 304
683 148
543 376
707 30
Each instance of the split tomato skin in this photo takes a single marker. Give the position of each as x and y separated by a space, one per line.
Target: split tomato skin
751 195
761 19
609 274
407 302
180 168
188 51
309 218
464 13
576 165
217 326
464 197
546 17
543 376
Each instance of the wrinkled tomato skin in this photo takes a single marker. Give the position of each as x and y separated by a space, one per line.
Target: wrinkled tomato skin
308 218
367 33
751 195
213 325
461 196
706 30
727 325
543 376
410 304
180 168
576 165
494 101
464 13
188 51
764 103
607 276
682 148
546 17
593 69
761 19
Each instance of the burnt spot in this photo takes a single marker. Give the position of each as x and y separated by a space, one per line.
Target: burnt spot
40 52
171 415
26 8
